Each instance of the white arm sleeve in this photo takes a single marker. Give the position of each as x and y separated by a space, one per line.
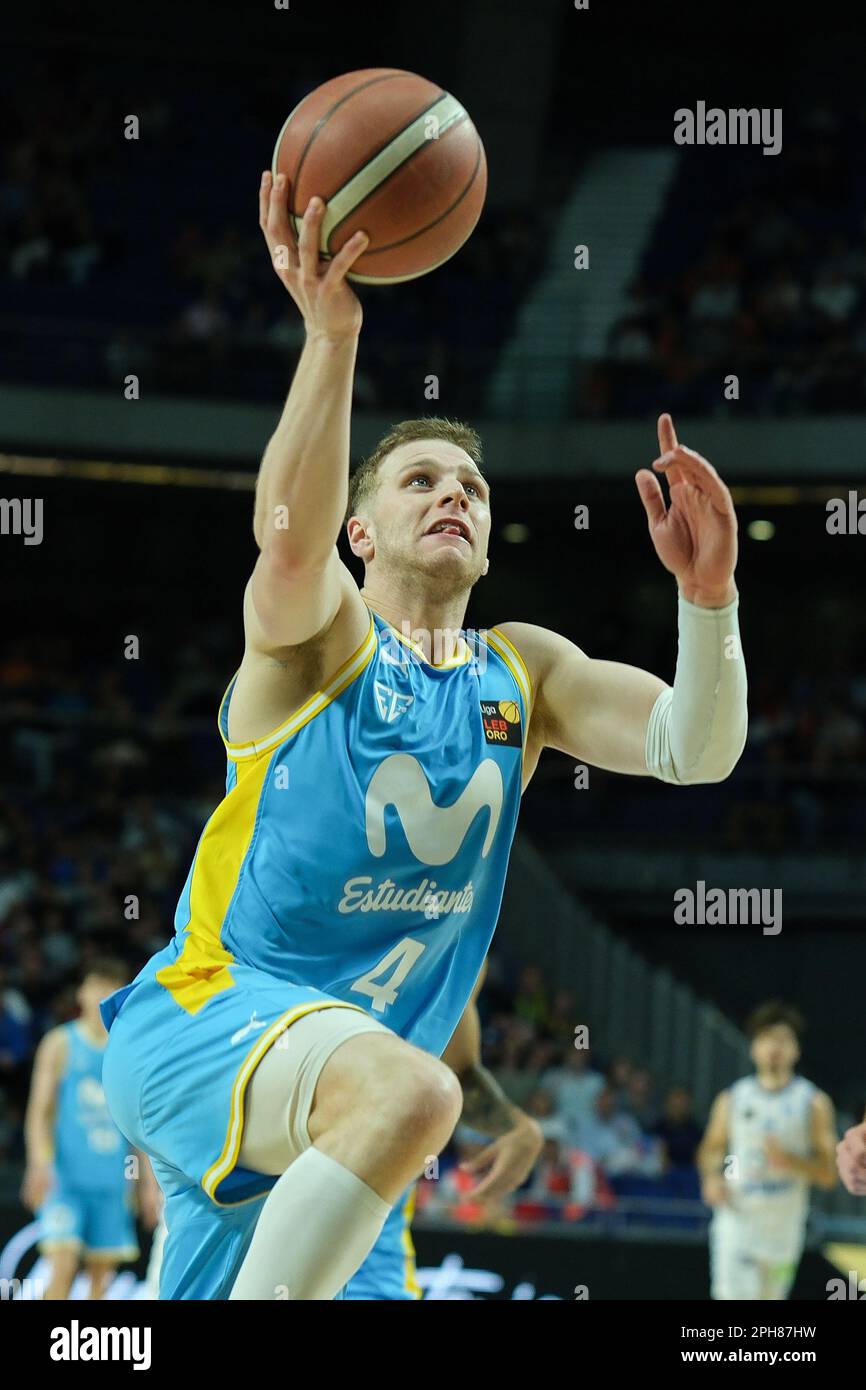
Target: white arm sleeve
697 729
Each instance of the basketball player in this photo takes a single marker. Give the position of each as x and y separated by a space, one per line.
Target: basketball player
388 1273
851 1159
287 1042
76 1155
769 1137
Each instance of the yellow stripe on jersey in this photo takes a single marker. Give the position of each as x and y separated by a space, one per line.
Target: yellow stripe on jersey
410 1283
515 663
517 666
201 970
220 1170
307 711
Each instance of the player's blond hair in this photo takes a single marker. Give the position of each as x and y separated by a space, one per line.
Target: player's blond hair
363 482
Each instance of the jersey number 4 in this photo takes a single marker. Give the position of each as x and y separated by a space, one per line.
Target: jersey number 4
402 958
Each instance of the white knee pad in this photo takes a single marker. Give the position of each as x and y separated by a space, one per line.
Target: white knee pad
280 1094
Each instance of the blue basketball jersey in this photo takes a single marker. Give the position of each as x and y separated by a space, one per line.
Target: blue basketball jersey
89 1148
362 846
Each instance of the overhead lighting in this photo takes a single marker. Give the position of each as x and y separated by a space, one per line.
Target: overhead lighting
515 531
761 530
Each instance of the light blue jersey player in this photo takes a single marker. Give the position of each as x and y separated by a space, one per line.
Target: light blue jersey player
383 868
77 1177
280 1058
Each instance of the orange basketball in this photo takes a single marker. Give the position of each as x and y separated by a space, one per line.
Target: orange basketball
392 155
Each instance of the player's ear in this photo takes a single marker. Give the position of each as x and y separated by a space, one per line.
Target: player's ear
360 542
486 567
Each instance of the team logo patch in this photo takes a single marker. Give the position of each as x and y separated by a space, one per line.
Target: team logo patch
501 720
391 703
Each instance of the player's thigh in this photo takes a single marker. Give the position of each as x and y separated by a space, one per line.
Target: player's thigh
280 1095
381 1080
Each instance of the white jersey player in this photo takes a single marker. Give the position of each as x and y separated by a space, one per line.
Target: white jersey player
770 1137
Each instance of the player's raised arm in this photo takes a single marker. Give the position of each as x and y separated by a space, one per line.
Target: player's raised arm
302 487
623 719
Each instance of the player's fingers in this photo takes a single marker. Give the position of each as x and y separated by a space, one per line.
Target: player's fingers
264 197
277 229
277 220
493 1184
669 466
667 434
308 239
651 495
345 258
854 1144
684 465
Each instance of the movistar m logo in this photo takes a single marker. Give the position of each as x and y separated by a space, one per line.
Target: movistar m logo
435 833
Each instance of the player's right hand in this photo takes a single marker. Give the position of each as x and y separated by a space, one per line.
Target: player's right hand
37 1182
851 1159
329 306
714 1190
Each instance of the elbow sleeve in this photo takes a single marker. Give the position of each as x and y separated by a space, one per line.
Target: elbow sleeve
697 728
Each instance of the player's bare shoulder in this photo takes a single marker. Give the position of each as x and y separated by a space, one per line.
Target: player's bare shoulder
272 682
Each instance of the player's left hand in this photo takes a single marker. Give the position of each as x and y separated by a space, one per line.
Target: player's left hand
696 536
851 1159
507 1162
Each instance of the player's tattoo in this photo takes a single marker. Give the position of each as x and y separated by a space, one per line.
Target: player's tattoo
485 1105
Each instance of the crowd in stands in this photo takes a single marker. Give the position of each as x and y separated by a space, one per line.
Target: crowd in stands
203 314
757 268
609 1134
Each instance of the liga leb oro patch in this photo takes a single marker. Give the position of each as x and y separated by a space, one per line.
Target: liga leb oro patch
501 720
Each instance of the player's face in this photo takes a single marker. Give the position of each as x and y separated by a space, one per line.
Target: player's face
432 513
776 1049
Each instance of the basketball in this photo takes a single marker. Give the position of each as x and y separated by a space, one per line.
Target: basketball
508 709
392 155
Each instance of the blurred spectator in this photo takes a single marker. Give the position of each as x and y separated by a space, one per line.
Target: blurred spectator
678 1129
530 999
615 1140
575 1088
618 1076
640 1098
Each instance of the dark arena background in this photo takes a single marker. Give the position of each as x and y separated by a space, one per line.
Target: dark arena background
615 273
